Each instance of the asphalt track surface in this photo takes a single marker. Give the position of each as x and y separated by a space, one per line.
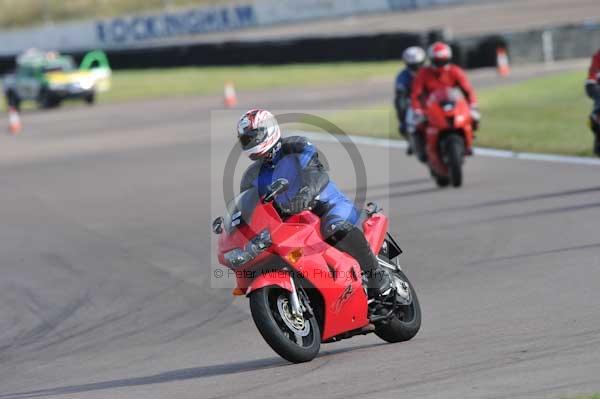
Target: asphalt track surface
105 251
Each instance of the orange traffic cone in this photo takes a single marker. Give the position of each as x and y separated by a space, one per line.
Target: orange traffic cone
14 121
230 96
502 62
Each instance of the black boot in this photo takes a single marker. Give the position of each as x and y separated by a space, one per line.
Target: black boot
419 145
409 145
348 238
595 128
379 283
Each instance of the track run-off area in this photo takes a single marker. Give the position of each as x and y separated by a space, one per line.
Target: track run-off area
106 258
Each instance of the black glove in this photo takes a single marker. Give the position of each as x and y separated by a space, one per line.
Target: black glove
301 202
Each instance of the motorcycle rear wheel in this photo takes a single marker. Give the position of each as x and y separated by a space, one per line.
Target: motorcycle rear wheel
294 340
406 322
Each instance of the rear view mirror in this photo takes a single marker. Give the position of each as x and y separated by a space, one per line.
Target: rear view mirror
277 187
217 225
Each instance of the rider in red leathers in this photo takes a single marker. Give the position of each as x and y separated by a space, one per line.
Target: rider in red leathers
592 88
439 75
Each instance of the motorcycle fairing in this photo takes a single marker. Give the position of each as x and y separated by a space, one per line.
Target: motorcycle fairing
279 278
375 228
335 274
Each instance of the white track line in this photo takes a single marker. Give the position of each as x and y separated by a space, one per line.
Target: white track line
485 152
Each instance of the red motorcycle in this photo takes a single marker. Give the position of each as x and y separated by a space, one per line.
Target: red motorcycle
448 135
302 291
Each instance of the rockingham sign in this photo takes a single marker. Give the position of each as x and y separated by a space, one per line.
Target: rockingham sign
169 27
137 29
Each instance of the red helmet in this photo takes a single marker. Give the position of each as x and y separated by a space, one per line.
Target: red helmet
258 133
440 54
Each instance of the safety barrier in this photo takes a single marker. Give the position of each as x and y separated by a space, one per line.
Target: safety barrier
564 42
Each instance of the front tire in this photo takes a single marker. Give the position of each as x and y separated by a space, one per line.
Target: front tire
406 322
295 340
455 149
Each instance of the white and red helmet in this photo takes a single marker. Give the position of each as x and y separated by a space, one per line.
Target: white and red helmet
440 54
258 133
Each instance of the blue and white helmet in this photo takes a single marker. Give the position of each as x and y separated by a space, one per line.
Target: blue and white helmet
414 57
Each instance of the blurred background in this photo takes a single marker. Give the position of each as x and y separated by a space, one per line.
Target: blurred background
183 47
17 13
108 142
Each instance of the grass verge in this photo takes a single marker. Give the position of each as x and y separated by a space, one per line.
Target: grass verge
547 115
145 84
156 83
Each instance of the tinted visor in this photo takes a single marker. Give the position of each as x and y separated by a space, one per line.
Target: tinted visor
440 63
414 67
252 137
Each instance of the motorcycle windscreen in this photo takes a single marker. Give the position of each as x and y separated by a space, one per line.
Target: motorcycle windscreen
240 209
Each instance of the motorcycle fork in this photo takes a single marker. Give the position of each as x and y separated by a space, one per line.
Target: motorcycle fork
294 300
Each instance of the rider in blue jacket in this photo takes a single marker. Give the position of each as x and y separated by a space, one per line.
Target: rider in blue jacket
297 160
414 58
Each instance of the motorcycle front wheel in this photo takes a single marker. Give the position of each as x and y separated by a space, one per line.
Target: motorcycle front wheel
455 148
295 339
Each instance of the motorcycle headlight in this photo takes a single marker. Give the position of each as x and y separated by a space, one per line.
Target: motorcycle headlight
237 257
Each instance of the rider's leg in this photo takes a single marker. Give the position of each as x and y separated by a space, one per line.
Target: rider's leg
417 137
404 127
346 237
409 142
338 218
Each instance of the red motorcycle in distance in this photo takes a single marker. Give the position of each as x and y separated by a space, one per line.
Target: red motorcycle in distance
302 291
448 133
